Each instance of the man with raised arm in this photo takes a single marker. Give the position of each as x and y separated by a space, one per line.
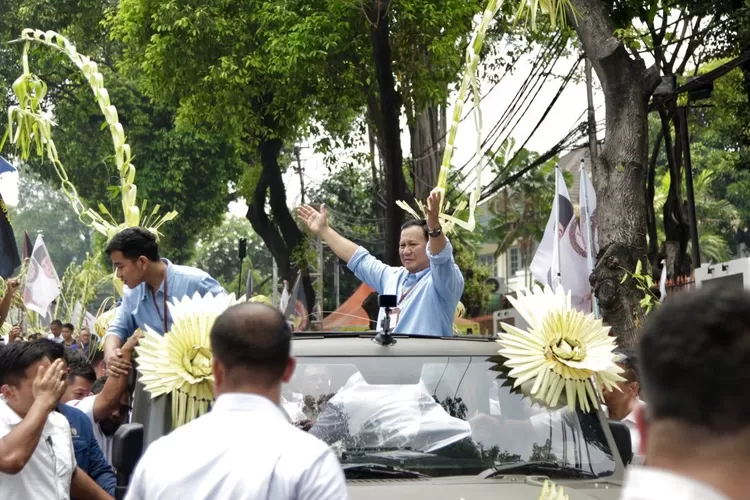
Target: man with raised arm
428 284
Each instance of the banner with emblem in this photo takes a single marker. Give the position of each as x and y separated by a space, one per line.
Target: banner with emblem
42 283
574 248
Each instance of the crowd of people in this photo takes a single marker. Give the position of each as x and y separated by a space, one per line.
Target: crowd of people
59 410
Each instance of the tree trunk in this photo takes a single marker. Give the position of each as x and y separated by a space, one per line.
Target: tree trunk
279 232
388 127
427 146
653 243
621 168
676 227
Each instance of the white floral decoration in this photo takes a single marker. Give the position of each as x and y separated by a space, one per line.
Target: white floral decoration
179 362
563 349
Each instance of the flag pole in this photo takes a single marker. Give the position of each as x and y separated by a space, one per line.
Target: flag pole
556 239
589 231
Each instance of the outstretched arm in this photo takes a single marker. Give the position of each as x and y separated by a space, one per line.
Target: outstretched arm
317 222
11 286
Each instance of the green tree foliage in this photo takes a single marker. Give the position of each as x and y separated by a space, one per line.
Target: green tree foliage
185 171
217 254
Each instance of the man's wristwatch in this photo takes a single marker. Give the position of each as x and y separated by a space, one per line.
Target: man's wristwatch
435 232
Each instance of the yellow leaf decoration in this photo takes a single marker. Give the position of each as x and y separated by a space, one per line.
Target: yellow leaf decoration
563 350
551 492
179 362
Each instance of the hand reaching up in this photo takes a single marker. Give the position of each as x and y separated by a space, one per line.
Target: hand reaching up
315 221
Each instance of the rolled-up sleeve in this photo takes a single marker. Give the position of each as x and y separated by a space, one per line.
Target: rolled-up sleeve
210 285
123 325
446 276
369 269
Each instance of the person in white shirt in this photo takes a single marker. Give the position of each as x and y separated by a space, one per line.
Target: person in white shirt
37 459
109 405
623 404
245 448
55 329
694 358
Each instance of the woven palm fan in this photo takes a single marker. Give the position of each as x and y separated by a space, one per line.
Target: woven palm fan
562 350
179 362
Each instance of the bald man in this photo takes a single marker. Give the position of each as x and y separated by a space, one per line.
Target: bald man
245 448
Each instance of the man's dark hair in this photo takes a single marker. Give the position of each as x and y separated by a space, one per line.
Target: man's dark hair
69 326
254 338
421 223
16 357
628 358
53 350
694 359
134 242
99 385
57 322
79 366
98 357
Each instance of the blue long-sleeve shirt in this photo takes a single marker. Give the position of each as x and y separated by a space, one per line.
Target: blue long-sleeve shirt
140 307
427 299
89 455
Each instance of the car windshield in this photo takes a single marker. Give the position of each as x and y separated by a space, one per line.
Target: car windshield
439 416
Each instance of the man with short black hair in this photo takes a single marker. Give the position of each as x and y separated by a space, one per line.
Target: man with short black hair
68 331
623 404
248 448
36 450
55 329
81 377
428 284
88 453
108 406
150 283
694 359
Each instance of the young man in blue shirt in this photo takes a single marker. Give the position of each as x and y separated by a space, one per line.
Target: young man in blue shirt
150 283
428 284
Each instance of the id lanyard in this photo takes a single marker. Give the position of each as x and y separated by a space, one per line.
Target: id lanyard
166 298
396 313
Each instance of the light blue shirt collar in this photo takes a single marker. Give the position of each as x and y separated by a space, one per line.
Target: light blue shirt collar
145 288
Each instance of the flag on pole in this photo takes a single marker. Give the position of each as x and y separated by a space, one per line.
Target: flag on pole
284 301
575 248
42 283
296 305
27 246
5 166
545 267
9 258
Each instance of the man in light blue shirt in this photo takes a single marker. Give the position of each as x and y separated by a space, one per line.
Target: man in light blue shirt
150 282
427 286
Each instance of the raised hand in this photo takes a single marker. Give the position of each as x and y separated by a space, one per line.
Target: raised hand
49 384
12 285
433 208
315 221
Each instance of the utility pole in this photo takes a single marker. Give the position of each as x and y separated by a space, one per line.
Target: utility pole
316 277
297 150
336 284
275 283
591 113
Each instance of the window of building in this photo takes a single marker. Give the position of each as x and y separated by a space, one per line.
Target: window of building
487 260
514 261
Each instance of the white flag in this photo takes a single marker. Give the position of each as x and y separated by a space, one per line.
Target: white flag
42 283
575 247
545 265
663 281
284 301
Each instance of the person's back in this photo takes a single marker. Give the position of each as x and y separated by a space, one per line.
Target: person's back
695 355
245 448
